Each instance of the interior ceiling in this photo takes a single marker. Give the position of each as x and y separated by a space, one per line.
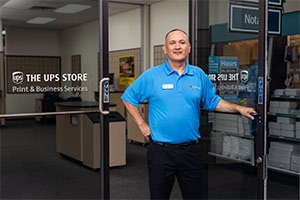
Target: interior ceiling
15 13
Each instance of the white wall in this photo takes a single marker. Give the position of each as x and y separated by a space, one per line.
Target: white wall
291 6
125 30
165 16
218 11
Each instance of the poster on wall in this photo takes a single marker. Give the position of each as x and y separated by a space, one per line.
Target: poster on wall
126 70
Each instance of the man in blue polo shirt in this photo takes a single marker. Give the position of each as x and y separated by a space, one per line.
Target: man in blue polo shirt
175 91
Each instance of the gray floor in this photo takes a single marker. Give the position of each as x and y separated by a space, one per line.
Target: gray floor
31 169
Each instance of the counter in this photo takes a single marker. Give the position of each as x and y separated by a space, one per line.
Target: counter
78 135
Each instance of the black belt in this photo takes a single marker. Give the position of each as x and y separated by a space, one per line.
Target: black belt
183 145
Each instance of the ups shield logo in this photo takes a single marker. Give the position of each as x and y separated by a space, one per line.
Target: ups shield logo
17 77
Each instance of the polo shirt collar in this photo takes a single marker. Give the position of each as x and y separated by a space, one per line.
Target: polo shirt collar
169 70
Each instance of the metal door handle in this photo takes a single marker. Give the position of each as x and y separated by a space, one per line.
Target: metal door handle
101 100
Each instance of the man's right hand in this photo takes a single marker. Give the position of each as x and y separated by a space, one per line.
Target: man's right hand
145 130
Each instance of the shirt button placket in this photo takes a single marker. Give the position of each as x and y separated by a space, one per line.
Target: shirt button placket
179 85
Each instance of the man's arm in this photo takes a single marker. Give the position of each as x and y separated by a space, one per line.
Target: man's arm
138 119
225 106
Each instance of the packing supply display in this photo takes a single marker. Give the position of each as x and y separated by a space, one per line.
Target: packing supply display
283 154
231 137
284 106
237 148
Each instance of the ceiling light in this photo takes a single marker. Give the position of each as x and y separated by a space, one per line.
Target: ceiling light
72 8
40 20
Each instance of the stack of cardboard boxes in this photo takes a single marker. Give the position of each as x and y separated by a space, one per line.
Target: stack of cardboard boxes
297 134
231 123
295 161
229 133
284 126
284 155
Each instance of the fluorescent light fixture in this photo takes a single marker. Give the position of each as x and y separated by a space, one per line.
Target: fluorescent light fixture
72 8
41 20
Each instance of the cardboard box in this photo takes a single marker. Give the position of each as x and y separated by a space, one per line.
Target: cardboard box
295 157
288 127
284 110
230 129
286 120
219 122
246 132
274 109
235 147
246 149
226 146
286 133
231 50
298 125
275 156
274 125
279 92
287 104
295 167
216 142
274 104
283 146
255 50
224 116
275 132
244 54
278 164
244 120
244 126
292 92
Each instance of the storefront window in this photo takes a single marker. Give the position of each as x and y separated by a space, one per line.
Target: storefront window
231 60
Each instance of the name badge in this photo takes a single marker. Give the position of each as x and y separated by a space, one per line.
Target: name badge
167 86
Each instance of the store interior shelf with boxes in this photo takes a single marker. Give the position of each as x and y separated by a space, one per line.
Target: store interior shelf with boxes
284 114
232 136
284 133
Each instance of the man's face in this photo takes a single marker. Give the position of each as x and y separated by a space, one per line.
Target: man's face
177 46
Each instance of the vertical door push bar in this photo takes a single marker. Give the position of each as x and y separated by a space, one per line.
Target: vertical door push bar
103 94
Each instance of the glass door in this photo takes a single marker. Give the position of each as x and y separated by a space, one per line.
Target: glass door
230 139
242 61
55 106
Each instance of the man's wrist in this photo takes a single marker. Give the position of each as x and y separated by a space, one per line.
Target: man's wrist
141 123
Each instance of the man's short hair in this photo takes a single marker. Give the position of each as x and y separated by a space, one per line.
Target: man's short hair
176 29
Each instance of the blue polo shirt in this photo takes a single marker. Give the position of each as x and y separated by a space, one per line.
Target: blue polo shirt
174 101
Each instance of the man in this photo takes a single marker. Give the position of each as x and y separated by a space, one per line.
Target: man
175 90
